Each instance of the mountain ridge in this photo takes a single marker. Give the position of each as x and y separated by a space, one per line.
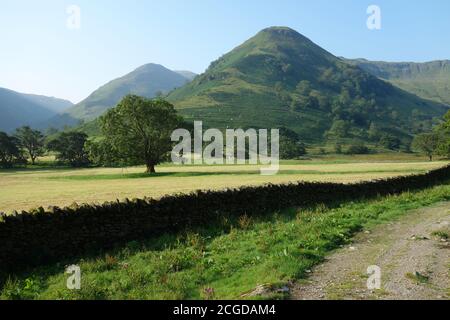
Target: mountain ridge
429 80
53 103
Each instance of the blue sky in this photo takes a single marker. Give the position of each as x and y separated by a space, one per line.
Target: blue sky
39 54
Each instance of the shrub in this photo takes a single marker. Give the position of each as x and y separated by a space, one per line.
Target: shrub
358 149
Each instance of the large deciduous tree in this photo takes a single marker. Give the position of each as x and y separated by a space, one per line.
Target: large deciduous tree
32 141
139 130
70 148
427 143
444 131
9 150
445 127
101 152
291 146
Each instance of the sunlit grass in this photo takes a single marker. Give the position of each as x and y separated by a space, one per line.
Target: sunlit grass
43 185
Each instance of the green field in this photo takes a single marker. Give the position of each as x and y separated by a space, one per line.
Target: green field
226 260
44 185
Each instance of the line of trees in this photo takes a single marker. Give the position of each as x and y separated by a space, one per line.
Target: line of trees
27 144
138 132
135 132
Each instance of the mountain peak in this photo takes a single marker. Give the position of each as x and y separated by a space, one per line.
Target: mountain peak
151 67
147 80
280 30
283 33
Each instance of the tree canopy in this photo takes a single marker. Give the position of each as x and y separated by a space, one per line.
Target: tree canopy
291 146
9 151
139 130
427 143
443 130
70 148
32 141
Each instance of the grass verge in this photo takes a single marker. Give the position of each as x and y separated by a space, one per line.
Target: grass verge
223 261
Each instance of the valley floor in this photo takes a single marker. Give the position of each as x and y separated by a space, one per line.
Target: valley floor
24 189
413 254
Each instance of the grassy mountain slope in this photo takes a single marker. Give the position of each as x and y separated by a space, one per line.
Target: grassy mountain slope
280 78
17 109
147 81
430 80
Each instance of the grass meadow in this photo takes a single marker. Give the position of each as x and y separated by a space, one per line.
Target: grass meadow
46 185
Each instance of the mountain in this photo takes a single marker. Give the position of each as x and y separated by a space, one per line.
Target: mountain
147 80
281 78
429 80
52 103
19 109
187 74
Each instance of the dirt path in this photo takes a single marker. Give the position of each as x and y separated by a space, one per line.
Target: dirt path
413 259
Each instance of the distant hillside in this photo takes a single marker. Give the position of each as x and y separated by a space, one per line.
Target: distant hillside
429 80
147 81
281 78
187 74
18 109
54 104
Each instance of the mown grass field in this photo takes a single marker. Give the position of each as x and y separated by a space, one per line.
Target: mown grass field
44 185
227 260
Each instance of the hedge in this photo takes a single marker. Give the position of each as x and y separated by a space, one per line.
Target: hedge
43 236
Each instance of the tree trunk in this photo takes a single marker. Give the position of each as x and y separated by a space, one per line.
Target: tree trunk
431 158
150 168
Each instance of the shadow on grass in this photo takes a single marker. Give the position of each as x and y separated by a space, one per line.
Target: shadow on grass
161 242
144 175
38 168
119 176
